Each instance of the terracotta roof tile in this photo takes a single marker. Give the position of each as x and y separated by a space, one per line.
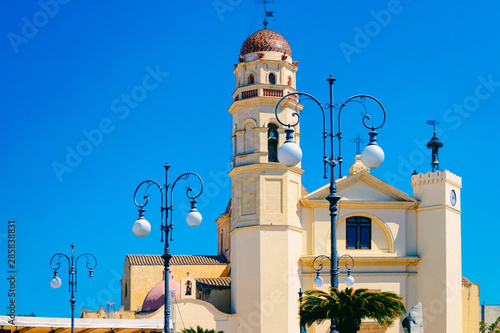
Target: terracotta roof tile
214 283
266 40
303 191
155 259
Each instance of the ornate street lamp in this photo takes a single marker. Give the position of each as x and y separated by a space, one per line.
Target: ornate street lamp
290 154
141 227
318 281
55 282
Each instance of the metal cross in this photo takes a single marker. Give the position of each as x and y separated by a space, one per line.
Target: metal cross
358 140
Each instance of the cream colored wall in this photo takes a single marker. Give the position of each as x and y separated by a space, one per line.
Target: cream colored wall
265 278
258 195
470 308
439 279
389 234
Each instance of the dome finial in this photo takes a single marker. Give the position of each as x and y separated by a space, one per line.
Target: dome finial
266 13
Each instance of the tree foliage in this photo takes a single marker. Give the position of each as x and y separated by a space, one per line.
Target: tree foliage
199 330
349 307
493 328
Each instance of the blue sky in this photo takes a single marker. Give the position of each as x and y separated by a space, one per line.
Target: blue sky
96 97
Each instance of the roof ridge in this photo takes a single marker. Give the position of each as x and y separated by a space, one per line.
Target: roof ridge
177 259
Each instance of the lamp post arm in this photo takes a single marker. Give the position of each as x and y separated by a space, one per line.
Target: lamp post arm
321 258
360 99
57 265
302 97
149 183
189 189
348 265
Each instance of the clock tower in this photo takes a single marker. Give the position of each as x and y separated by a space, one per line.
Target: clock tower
439 277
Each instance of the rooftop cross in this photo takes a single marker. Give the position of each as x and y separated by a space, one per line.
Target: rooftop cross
358 140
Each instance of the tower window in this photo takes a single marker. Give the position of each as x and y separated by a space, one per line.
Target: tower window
272 143
272 78
250 79
358 233
290 81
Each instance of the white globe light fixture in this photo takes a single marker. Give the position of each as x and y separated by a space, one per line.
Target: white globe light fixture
141 227
318 281
289 154
194 217
55 282
349 280
372 156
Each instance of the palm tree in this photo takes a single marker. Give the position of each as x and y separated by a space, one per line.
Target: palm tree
349 307
199 330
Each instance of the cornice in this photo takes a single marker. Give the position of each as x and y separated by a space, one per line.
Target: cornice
222 219
322 203
262 99
263 166
267 227
243 65
439 207
370 261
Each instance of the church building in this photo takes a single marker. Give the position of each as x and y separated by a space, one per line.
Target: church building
273 229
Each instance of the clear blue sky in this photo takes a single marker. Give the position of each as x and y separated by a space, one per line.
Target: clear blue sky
66 76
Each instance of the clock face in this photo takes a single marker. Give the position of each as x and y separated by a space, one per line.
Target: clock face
453 197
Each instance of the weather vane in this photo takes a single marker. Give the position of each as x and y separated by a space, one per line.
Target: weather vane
266 13
435 144
358 140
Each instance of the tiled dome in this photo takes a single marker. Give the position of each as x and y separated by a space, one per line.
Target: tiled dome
156 296
266 40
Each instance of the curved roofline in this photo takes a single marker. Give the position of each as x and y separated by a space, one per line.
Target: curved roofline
265 40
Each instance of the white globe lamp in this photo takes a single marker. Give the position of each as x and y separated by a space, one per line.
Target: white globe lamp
141 227
194 217
372 156
55 282
318 281
349 280
289 154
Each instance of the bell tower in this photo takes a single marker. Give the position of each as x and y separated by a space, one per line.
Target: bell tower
266 233
439 273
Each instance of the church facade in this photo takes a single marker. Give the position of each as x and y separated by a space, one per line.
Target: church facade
273 229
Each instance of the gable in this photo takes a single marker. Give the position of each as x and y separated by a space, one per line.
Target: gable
363 186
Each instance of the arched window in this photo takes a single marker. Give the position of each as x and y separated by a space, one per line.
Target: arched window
289 81
272 78
358 233
189 287
272 143
126 289
250 79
